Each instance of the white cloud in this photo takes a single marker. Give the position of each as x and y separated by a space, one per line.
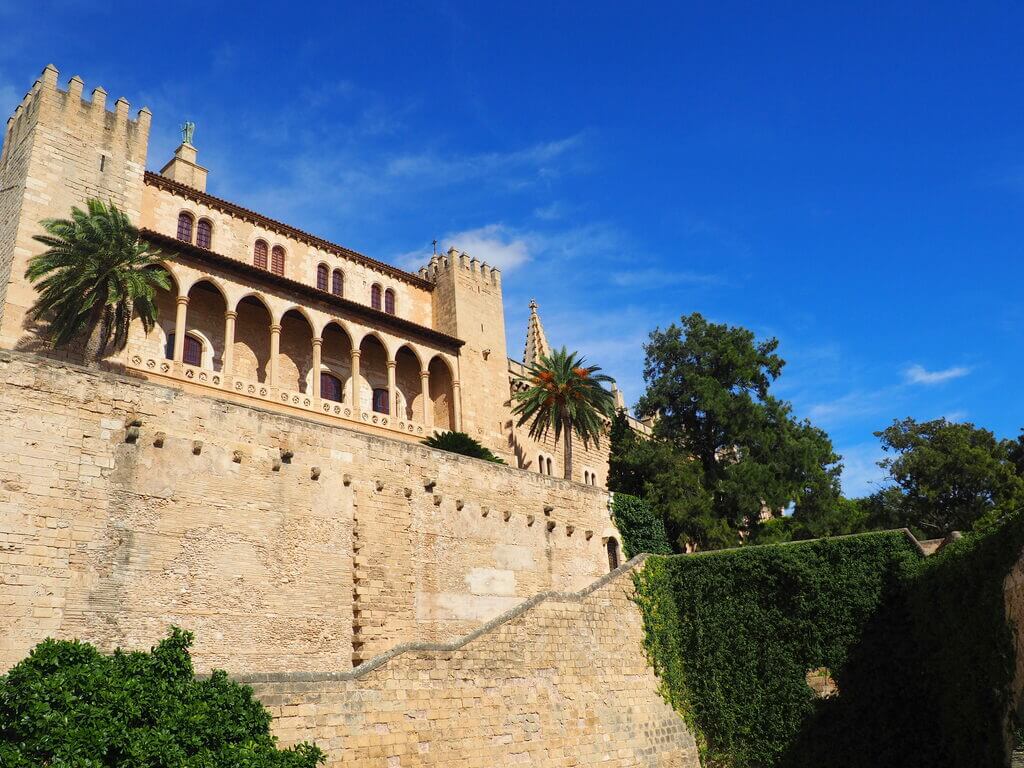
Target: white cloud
918 374
494 244
550 212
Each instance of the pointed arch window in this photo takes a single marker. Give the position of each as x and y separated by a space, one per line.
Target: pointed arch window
338 283
613 554
185 222
321 277
330 387
204 234
389 301
259 254
277 260
375 294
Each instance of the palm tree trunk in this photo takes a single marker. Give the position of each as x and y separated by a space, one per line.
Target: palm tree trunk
567 452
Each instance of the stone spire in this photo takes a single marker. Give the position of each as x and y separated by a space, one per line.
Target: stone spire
536 341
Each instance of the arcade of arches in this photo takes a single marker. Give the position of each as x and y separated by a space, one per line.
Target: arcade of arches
241 339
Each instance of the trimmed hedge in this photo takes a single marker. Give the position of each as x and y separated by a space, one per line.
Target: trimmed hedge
919 647
641 527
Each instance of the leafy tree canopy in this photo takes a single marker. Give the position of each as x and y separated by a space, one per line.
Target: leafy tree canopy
69 705
461 443
946 476
726 451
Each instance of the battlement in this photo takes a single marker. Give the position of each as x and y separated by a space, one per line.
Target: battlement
455 259
45 91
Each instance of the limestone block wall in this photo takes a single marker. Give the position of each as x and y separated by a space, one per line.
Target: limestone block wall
560 681
284 543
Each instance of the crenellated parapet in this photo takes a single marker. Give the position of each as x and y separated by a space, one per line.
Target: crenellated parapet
455 259
46 93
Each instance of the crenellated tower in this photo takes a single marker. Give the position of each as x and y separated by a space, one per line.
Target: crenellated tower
59 150
467 303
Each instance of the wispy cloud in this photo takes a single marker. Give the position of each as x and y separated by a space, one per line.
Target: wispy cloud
652 278
552 212
918 374
494 244
861 474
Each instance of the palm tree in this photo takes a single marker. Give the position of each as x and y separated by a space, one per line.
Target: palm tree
95 274
565 394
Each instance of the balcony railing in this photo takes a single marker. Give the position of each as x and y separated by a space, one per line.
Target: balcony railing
262 392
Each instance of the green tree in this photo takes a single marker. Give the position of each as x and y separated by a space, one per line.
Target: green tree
709 386
566 395
461 443
69 705
95 274
946 476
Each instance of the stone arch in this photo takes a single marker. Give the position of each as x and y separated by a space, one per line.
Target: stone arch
295 360
205 320
252 338
373 369
336 355
442 393
409 394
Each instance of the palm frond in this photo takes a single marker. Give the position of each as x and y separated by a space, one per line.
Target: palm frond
95 273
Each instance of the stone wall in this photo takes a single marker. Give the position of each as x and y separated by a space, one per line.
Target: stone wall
286 544
561 681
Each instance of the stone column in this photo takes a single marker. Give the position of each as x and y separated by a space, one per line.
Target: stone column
228 359
179 328
275 351
425 394
457 406
392 390
317 345
356 408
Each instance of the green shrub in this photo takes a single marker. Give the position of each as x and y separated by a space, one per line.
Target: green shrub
733 633
69 705
463 444
641 527
919 647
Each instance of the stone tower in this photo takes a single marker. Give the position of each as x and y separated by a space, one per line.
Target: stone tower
467 303
58 151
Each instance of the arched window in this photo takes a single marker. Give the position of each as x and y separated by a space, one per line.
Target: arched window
338 283
193 349
330 387
204 234
277 260
586 477
321 277
613 554
549 466
375 296
259 254
380 401
540 464
389 301
185 222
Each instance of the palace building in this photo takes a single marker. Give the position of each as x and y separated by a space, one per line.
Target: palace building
253 470
268 313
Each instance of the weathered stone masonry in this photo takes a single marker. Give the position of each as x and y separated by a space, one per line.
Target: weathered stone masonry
561 681
211 518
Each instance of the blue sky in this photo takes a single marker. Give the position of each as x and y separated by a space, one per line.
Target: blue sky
848 180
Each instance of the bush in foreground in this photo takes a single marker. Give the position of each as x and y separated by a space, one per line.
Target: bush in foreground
67 704
463 444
